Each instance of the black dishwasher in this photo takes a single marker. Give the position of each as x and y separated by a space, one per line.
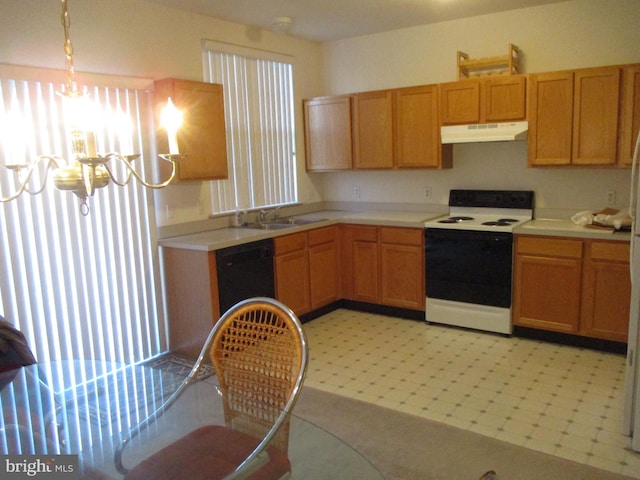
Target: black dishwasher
245 271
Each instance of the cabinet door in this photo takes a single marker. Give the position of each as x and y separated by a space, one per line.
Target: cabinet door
630 115
606 291
202 138
328 133
292 272
460 102
417 139
547 276
595 122
550 118
373 129
359 258
504 99
324 264
402 267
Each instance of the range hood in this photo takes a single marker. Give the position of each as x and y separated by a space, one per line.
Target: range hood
486 132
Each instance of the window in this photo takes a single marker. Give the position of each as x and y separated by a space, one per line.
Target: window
80 287
258 90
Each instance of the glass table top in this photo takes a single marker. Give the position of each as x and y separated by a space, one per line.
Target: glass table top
84 408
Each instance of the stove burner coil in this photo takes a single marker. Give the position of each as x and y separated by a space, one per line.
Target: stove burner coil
455 219
502 222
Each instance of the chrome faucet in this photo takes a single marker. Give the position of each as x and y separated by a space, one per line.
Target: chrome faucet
264 214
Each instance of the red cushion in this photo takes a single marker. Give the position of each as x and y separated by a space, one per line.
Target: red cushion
210 452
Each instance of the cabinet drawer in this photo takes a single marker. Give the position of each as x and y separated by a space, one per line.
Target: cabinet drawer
554 247
611 251
364 234
290 243
401 236
322 235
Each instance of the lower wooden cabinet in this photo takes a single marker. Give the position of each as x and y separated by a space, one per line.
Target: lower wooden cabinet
548 275
383 265
402 267
191 286
324 266
306 269
292 272
360 262
574 286
606 291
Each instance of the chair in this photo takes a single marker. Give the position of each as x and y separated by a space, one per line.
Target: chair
259 352
14 350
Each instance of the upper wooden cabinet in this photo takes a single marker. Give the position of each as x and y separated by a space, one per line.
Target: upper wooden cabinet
550 118
417 129
202 138
327 126
504 99
630 114
573 117
483 100
373 130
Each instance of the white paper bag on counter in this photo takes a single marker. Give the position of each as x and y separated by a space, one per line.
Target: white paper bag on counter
583 218
608 217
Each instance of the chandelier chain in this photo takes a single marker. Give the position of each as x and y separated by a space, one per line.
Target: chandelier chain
72 87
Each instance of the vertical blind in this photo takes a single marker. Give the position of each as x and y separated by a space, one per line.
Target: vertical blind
260 131
80 286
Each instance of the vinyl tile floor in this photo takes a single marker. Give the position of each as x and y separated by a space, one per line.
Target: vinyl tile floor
557 399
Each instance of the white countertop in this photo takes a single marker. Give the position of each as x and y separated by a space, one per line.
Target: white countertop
227 237
566 228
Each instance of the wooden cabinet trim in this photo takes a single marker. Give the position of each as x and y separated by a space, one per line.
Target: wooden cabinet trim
322 235
290 243
609 251
548 246
401 236
364 233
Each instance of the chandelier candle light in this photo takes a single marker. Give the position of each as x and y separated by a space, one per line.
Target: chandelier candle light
87 170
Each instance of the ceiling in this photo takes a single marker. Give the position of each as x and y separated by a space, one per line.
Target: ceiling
325 20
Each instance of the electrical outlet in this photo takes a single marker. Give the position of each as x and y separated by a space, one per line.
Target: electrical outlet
427 192
611 197
356 192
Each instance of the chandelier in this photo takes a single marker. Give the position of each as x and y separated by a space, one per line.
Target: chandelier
87 170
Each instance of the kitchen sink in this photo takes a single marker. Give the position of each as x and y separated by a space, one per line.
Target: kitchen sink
270 226
297 221
285 222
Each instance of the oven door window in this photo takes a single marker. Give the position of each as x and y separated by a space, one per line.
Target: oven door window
468 266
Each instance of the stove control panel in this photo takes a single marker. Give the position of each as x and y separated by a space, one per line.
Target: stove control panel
519 199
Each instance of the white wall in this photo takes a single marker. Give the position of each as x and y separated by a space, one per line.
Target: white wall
134 38
573 34
138 39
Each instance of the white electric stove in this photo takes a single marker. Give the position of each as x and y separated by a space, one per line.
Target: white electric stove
469 258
